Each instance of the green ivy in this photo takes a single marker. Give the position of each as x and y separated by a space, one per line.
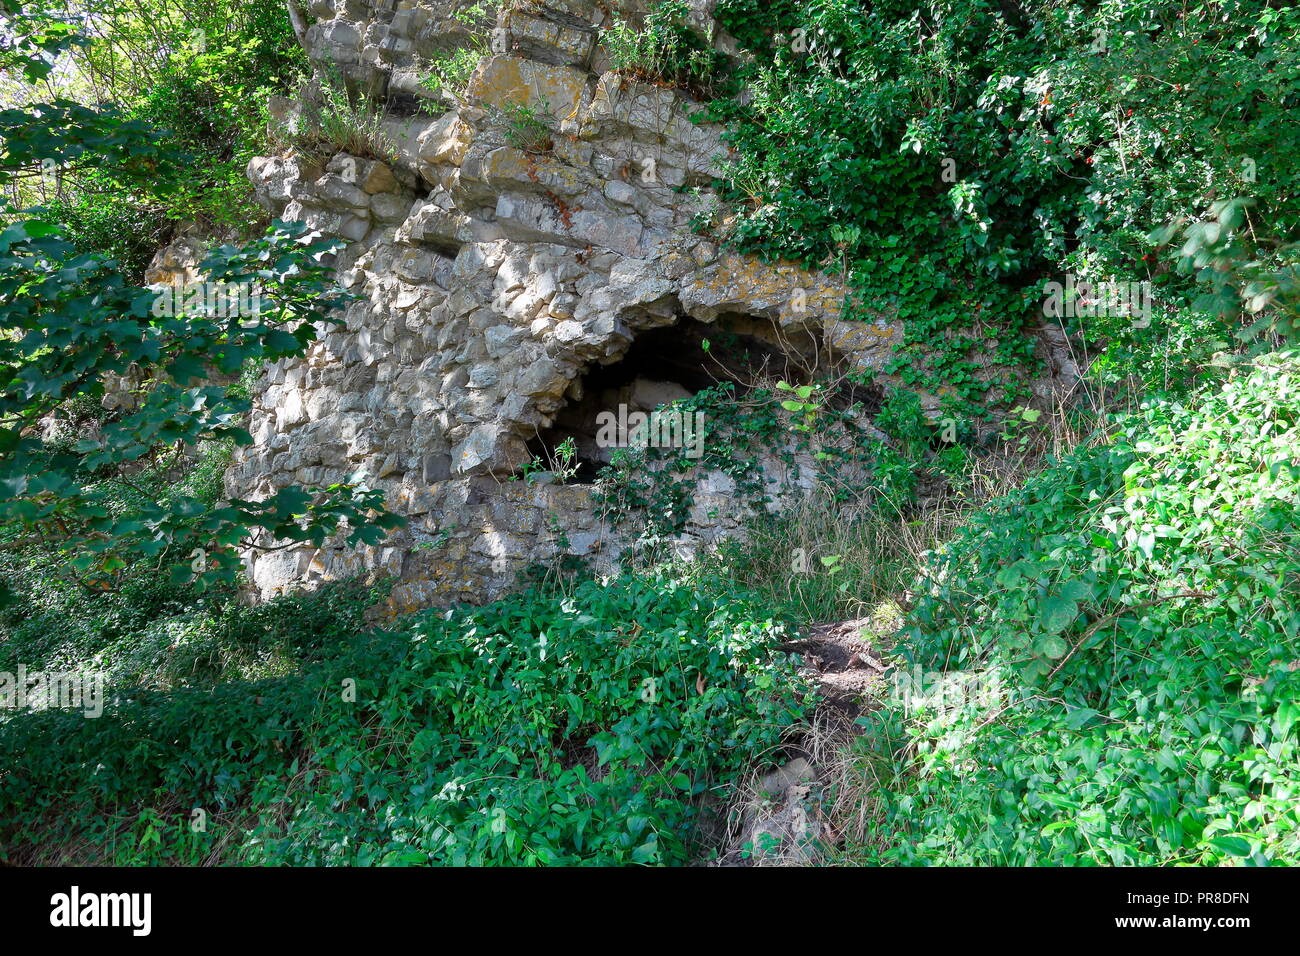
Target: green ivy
951 154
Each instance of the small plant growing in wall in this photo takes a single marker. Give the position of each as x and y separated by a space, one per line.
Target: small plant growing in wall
804 402
665 51
343 120
451 70
562 464
526 128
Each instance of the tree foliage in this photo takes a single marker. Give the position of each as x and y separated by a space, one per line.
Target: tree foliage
71 324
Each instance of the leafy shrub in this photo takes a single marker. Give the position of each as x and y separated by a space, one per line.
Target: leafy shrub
114 224
62 342
651 491
1171 357
196 74
1233 273
1135 609
451 71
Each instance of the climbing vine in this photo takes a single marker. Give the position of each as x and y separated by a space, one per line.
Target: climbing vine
951 155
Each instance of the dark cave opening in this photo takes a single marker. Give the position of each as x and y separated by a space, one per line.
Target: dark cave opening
677 361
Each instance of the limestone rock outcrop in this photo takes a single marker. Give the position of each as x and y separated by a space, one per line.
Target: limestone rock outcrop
495 264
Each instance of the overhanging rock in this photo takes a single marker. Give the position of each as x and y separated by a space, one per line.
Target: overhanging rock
491 276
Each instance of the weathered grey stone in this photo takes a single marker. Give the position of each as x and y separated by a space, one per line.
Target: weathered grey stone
436 468
490 278
501 339
445 142
337 193
336 40
389 207
483 376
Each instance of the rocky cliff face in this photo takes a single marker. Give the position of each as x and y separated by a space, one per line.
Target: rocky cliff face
503 279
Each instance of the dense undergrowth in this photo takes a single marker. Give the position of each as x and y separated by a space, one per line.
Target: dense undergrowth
1100 667
599 726
1106 662
952 156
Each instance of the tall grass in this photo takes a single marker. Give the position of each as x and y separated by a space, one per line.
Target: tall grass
342 120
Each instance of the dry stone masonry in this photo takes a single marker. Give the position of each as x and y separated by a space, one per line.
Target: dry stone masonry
491 276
